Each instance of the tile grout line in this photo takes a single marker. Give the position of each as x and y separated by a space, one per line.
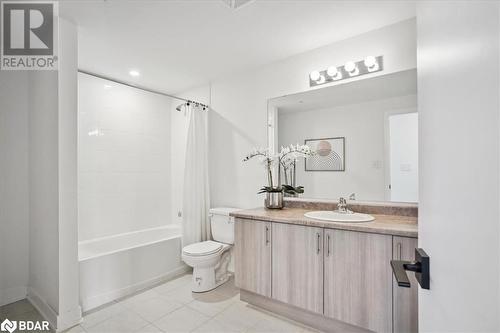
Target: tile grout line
122 300
165 296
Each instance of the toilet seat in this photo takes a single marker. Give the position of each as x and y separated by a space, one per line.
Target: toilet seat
202 249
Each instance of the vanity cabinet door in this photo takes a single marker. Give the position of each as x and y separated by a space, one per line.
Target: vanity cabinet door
252 250
358 279
405 300
297 270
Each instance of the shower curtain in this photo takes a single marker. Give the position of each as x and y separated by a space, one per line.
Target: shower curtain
196 201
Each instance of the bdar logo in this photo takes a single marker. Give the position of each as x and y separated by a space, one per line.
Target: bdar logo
8 326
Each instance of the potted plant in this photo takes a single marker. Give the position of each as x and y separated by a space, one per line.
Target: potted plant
287 160
273 191
288 157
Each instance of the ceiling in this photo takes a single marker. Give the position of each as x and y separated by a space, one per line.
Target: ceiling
176 45
361 91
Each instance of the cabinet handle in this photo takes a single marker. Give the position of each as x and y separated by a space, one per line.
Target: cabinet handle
399 249
318 240
328 245
267 235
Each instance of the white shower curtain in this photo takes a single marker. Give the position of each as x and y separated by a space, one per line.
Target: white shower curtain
196 201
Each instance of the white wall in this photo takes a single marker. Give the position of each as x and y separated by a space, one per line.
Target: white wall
69 299
53 258
14 192
363 126
124 158
34 250
458 98
44 195
238 120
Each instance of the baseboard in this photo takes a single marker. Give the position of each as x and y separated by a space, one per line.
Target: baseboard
311 319
98 300
58 322
12 295
69 319
45 310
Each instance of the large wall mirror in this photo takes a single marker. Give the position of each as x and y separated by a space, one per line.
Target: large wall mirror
364 135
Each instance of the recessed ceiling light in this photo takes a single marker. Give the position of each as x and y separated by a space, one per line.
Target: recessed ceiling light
134 73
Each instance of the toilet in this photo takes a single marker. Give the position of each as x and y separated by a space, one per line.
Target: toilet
210 259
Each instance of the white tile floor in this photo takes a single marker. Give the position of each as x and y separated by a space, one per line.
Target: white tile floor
21 310
172 307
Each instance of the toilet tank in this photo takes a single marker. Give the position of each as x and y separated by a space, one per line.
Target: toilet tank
222 224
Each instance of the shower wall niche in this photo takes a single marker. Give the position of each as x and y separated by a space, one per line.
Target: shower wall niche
123 159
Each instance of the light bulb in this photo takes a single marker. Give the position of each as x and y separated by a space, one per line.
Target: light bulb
321 79
371 63
351 68
332 71
315 75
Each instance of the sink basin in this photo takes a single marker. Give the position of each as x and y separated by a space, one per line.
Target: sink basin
328 215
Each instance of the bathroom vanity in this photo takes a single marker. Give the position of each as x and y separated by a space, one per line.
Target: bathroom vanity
331 276
337 276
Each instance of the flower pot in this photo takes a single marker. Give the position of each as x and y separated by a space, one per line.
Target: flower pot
274 200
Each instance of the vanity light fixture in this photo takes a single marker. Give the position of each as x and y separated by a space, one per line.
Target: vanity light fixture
351 69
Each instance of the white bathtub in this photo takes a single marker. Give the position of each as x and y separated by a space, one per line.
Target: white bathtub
119 265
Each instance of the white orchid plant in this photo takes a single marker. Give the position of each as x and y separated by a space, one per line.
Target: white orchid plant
268 161
286 159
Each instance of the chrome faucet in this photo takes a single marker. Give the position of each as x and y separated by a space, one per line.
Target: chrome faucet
342 206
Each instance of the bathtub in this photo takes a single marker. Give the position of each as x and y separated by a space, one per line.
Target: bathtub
119 265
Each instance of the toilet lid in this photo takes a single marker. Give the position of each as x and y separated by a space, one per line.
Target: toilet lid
202 248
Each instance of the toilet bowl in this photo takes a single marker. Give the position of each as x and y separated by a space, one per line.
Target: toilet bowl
210 259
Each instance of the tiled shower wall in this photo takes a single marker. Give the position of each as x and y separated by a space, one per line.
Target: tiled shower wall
123 158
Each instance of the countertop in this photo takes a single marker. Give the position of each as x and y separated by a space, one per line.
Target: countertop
383 224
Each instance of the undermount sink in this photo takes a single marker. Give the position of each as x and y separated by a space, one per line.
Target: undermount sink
333 216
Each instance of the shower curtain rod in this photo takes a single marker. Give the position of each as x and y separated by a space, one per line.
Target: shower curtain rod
140 87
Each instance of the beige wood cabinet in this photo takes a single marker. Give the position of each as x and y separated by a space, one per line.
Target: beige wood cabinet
252 252
337 275
405 300
297 266
358 279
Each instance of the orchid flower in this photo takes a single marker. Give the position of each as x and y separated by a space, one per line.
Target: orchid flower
266 159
